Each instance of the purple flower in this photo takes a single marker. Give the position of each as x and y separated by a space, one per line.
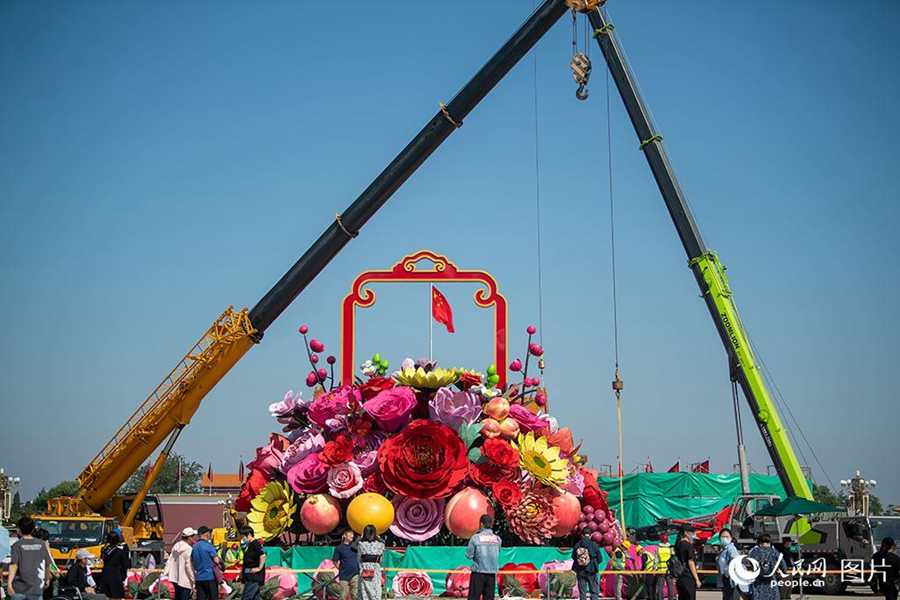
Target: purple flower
306 442
527 420
454 408
391 408
367 457
286 411
417 519
309 476
327 410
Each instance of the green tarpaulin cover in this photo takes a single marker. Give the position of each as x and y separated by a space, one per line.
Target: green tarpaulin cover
653 496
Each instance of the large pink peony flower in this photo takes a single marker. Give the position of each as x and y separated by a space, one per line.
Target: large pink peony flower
454 408
344 480
527 420
268 458
309 476
392 408
330 410
366 453
308 441
412 583
416 519
286 410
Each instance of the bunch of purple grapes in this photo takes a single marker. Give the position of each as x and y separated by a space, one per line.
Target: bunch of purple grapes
605 530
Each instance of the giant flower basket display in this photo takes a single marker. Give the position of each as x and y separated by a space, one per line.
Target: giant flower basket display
423 451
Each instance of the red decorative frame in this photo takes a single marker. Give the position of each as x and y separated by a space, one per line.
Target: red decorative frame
406 271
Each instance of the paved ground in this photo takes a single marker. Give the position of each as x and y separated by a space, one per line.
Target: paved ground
854 592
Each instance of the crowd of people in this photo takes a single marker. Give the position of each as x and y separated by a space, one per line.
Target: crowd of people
195 567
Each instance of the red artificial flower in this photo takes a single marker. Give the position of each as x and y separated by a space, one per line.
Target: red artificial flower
374 484
562 439
249 489
337 451
507 493
468 380
500 452
424 460
486 474
527 581
374 385
593 495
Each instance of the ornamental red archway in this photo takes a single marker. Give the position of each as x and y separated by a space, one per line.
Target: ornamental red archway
405 271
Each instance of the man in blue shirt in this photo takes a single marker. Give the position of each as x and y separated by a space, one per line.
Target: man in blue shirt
484 552
204 557
347 563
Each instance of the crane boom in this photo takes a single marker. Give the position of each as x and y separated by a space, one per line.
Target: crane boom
178 397
707 269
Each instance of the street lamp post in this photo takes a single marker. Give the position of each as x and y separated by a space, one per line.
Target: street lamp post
858 493
7 483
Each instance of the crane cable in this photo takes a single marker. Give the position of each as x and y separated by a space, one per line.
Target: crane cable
537 199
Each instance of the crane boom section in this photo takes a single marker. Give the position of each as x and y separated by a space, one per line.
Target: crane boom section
707 269
171 405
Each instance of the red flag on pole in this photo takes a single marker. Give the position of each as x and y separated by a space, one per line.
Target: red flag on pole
675 468
621 474
147 472
702 467
209 474
178 472
241 470
649 468
440 309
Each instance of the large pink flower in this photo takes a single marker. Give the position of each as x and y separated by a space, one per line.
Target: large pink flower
344 480
268 458
454 408
286 410
309 476
331 409
416 519
412 583
366 455
527 420
392 408
308 441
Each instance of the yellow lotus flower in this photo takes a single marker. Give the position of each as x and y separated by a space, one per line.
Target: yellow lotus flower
416 377
272 511
540 460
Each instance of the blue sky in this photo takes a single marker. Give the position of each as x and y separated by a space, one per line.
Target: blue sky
160 161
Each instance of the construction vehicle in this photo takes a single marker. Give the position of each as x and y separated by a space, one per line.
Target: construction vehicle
170 407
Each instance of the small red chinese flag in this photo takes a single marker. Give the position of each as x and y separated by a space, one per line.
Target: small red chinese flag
209 474
674 468
147 472
621 474
241 470
702 467
440 309
649 467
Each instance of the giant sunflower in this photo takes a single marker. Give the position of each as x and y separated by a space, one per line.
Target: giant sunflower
540 460
272 511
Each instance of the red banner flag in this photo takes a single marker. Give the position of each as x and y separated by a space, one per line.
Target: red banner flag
147 472
241 470
649 467
178 473
702 467
440 309
209 474
675 468
621 474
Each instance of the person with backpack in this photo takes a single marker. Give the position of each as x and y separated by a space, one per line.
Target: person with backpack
665 584
585 563
765 586
682 567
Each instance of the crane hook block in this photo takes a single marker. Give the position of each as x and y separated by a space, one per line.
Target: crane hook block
585 6
581 73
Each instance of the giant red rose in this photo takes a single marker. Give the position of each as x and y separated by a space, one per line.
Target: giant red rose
424 460
337 451
486 474
373 386
249 489
500 453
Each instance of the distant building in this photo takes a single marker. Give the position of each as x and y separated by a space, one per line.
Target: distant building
221 484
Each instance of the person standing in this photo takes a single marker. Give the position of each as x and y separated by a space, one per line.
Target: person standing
787 561
115 568
650 565
886 569
347 563
585 563
665 584
179 569
253 568
204 559
765 586
484 552
370 553
727 554
29 566
688 581
44 535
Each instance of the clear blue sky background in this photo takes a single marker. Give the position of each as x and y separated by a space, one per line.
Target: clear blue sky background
160 161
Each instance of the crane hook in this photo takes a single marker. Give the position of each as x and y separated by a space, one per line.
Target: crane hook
581 73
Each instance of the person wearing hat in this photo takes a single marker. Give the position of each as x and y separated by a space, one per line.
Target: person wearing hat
78 576
179 569
205 559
